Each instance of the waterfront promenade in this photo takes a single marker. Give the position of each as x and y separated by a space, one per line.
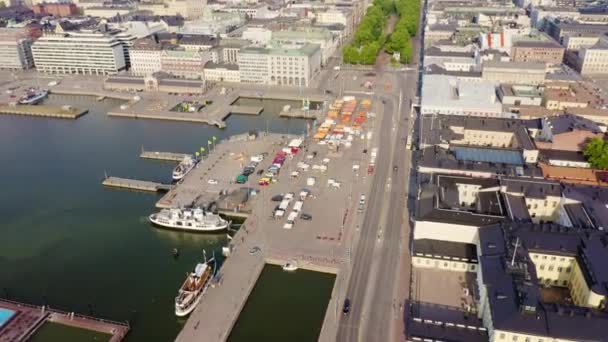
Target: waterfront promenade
322 244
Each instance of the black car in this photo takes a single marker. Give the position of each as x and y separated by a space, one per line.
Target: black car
248 171
277 198
306 217
364 150
346 307
260 172
395 168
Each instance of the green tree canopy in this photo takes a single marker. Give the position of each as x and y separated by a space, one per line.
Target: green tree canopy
596 152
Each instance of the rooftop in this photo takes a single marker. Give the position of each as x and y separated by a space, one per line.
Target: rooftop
516 66
513 291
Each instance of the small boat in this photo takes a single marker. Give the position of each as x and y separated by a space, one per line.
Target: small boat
182 169
196 219
33 96
290 267
101 98
175 252
194 287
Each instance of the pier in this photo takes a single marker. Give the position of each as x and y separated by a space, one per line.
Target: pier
246 110
134 184
27 319
164 156
59 112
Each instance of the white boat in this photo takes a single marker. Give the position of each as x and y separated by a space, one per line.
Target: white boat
197 220
33 96
290 267
194 287
182 169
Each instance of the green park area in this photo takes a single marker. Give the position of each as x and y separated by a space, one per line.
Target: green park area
371 36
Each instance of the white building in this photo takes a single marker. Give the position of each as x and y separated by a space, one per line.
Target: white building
257 35
594 59
145 57
222 72
79 53
191 9
285 65
15 49
312 35
443 94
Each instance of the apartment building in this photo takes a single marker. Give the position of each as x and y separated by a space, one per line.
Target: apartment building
520 262
548 52
15 49
567 133
222 72
83 52
561 95
531 73
593 60
519 94
450 60
287 65
145 56
184 63
574 42
57 9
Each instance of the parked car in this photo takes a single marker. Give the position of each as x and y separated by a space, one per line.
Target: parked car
306 217
241 179
277 198
260 172
212 181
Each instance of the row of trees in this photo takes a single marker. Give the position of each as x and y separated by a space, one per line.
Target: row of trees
407 26
369 38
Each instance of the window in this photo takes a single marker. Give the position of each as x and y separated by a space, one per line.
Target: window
542 267
559 269
515 338
550 268
501 336
568 269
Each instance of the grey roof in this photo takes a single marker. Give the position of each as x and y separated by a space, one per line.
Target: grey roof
435 51
441 248
434 69
211 65
569 122
531 188
437 202
198 40
563 155
536 66
444 333
594 200
437 129
512 283
578 215
517 209
436 157
125 80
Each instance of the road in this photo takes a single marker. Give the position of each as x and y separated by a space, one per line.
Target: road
385 232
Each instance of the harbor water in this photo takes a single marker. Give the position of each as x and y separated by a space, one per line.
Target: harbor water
68 242
284 306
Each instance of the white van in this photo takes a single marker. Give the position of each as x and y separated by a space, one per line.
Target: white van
291 220
284 204
279 213
297 207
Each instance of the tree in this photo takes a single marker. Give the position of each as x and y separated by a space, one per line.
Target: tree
596 152
350 54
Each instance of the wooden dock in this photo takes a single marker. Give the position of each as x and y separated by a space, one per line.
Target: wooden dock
246 110
165 156
43 111
134 184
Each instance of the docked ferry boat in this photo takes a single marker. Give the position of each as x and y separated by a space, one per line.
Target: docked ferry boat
194 287
33 96
196 219
182 169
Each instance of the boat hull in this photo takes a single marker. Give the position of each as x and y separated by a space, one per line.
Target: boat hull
185 312
188 228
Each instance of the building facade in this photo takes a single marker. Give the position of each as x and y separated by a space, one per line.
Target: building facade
15 49
291 66
514 72
546 52
55 9
79 53
183 63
